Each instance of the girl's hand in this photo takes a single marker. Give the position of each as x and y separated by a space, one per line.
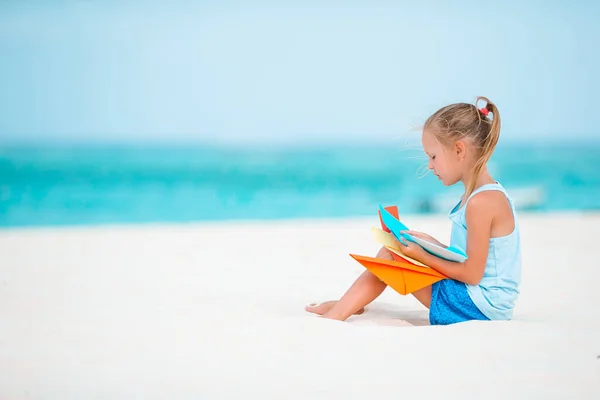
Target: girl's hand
411 249
426 237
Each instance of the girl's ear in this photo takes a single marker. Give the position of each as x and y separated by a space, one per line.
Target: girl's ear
460 150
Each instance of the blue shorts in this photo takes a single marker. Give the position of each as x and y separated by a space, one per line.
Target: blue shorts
450 303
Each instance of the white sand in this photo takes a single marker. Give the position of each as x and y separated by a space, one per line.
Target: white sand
216 311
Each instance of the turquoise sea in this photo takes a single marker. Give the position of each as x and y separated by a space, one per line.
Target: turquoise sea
76 185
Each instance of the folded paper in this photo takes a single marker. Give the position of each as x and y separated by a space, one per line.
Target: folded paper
403 274
390 242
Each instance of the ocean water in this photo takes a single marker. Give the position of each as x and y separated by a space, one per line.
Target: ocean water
78 185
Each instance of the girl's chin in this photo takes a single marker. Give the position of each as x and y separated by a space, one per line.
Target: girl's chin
445 182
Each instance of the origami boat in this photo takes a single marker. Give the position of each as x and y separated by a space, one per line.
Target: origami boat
402 274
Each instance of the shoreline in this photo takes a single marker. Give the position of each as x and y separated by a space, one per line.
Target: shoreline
249 222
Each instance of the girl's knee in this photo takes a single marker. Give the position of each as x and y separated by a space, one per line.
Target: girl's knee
385 254
371 279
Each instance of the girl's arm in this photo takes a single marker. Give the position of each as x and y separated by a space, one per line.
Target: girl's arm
479 218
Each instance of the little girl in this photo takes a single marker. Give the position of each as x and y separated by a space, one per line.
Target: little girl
459 140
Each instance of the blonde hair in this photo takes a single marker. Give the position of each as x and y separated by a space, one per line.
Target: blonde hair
466 121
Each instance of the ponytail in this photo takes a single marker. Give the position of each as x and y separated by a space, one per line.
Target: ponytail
489 135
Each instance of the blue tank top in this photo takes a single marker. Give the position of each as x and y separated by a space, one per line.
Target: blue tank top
497 292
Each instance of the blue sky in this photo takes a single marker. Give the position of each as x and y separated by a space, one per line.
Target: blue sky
239 72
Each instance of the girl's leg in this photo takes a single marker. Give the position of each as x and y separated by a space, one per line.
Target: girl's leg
423 295
362 292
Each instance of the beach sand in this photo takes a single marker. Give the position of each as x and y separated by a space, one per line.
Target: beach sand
216 311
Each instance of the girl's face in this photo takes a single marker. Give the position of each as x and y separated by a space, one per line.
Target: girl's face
448 164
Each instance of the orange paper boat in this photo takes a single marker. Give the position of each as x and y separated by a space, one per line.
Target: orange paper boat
399 274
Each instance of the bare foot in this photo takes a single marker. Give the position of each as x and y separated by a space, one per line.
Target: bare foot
323 308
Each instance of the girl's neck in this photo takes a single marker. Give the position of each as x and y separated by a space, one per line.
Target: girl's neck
483 179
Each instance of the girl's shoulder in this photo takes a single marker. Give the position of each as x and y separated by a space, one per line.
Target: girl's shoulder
488 199
492 206
491 195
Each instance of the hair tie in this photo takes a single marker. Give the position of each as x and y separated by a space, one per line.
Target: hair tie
484 111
